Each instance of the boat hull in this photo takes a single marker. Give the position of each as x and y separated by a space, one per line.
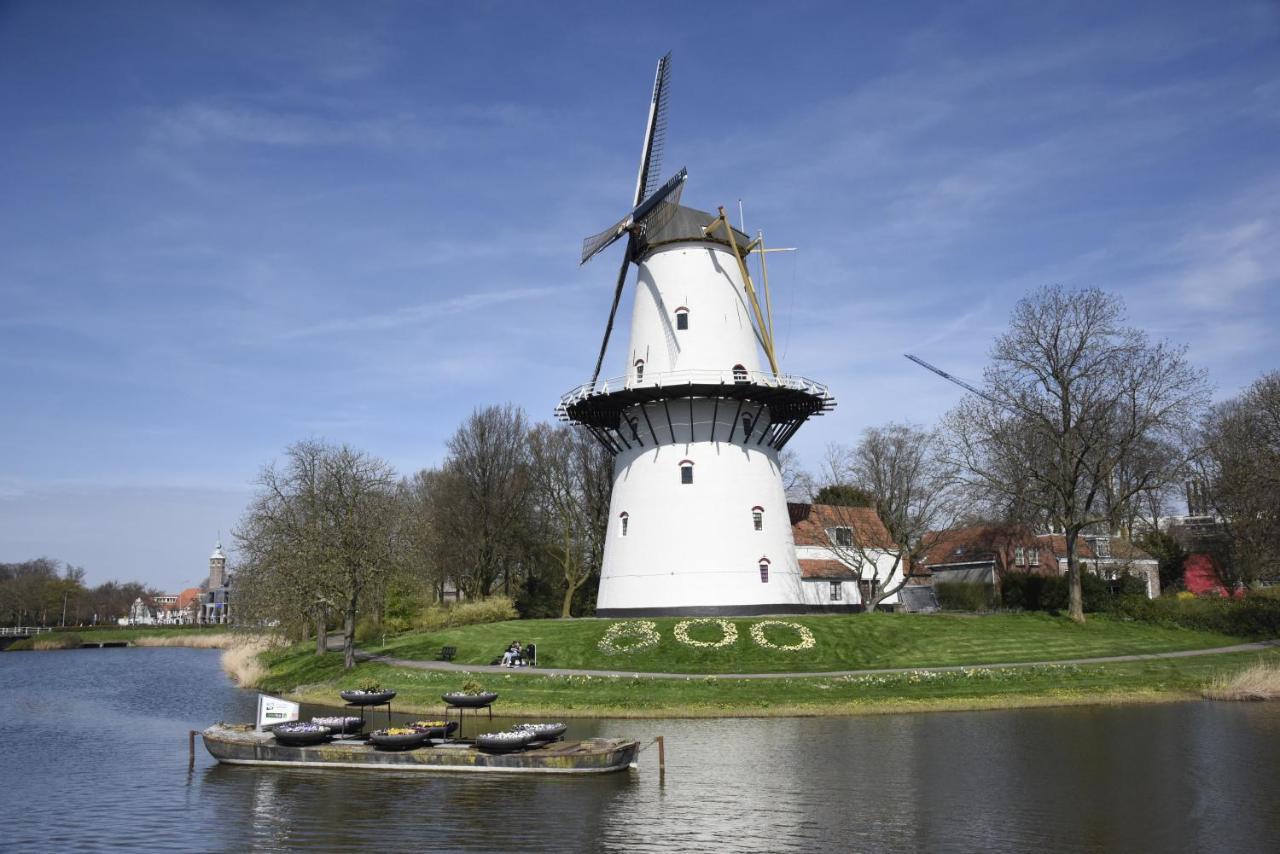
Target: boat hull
241 745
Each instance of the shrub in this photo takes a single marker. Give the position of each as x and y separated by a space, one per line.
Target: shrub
1030 592
964 596
495 609
1250 617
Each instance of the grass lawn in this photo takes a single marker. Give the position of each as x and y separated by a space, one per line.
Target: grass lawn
856 642
302 675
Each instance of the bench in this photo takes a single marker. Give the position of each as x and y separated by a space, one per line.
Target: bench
447 653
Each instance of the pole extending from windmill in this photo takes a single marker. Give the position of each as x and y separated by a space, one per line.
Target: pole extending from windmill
946 376
763 326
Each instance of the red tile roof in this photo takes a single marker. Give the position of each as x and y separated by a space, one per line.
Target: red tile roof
977 543
810 523
833 570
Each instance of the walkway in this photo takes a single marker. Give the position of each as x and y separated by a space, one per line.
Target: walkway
450 667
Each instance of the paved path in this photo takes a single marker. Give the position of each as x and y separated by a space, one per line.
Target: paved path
450 667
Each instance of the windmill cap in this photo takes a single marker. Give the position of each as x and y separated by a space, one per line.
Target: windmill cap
684 225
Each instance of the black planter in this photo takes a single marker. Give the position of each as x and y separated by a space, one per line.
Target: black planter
397 742
470 701
544 732
440 731
356 698
350 725
301 738
490 744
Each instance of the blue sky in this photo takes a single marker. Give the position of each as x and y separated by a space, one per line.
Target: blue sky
228 226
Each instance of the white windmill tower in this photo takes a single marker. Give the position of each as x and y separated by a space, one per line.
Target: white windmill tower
698 519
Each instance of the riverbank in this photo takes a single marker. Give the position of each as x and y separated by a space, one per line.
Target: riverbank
947 685
73 638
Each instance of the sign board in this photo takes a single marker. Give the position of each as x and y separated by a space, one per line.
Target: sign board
273 710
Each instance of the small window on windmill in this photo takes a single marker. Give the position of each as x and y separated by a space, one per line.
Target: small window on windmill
686 471
739 374
764 570
639 370
757 518
624 519
682 318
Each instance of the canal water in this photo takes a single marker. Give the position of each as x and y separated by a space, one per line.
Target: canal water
93 746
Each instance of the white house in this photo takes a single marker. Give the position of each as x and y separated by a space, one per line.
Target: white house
846 556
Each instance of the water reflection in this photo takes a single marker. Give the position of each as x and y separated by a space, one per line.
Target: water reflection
98 741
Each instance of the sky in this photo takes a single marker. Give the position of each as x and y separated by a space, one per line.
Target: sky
226 227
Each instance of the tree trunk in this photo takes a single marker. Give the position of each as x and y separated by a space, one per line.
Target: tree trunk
322 641
349 635
1075 608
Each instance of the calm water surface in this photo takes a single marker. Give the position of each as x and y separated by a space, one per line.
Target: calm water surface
94 757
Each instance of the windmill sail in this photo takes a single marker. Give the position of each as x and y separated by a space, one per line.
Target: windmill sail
655 133
660 205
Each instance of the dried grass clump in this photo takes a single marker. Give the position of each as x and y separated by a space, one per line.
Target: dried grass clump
241 661
56 642
1259 682
220 641
495 609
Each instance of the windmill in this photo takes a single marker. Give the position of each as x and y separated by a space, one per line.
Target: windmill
652 203
698 515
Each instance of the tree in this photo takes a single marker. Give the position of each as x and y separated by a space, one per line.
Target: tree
486 512
1240 465
1072 403
842 494
572 479
896 470
319 538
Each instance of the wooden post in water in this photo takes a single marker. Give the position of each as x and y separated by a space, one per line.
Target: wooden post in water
662 758
191 749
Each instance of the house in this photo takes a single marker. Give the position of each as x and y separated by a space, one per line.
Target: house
845 554
1107 556
985 553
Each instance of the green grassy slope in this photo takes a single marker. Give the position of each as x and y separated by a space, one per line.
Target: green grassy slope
855 642
298 673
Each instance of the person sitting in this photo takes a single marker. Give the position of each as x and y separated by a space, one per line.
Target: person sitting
510 655
518 659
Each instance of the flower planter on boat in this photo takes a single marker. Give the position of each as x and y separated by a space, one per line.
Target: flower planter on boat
543 732
367 698
470 701
503 742
435 729
295 734
397 738
341 724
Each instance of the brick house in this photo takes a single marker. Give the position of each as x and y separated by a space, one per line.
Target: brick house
986 553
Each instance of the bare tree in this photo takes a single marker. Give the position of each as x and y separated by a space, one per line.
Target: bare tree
1072 400
486 479
911 488
422 498
321 536
572 477
1240 464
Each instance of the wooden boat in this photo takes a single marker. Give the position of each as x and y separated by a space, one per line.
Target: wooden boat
241 744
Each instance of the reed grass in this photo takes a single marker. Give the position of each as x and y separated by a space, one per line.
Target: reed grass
241 659
219 641
56 642
1258 682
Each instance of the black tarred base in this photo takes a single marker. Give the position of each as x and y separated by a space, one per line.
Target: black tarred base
728 611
